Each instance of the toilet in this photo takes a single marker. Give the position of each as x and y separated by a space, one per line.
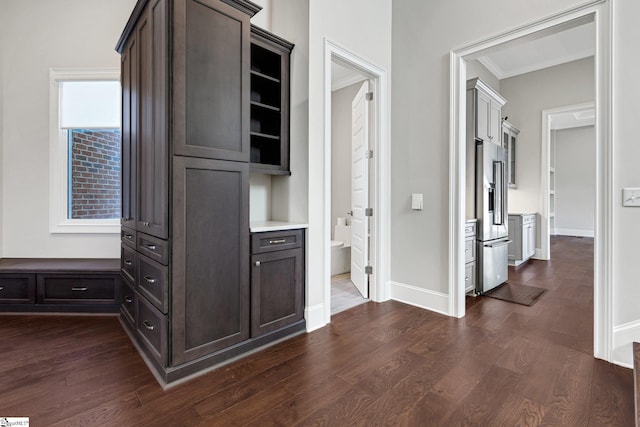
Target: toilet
341 249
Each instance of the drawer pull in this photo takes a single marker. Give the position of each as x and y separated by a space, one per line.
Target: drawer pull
151 247
257 263
466 250
79 289
275 242
148 325
128 236
1 288
128 300
127 262
466 279
150 279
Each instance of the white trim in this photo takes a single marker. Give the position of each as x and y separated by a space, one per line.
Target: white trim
623 337
574 232
314 317
58 154
545 167
380 141
420 297
601 11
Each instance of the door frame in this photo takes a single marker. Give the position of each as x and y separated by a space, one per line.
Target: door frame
379 183
547 127
601 13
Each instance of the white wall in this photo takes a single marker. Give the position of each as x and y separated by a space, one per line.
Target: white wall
341 152
263 18
575 181
362 27
3 14
527 95
39 35
476 69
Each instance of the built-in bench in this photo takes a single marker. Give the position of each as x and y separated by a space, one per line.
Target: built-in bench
60 285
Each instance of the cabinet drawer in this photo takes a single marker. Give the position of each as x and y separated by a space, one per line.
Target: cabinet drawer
470 229
128 263
17 288
469 250
128 237
79 288
152 282
152 327
470 277
128 302
275 241
154 248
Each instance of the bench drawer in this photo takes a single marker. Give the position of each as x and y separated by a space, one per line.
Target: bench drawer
17 288
79 288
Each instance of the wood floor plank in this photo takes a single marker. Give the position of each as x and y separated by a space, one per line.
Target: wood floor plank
374 364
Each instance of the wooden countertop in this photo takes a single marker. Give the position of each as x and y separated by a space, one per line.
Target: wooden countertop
57 265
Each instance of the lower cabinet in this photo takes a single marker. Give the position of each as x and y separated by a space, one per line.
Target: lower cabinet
522 233
276 282
470 273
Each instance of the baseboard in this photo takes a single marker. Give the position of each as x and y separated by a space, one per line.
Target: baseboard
315 317
623 337
572 232
420 297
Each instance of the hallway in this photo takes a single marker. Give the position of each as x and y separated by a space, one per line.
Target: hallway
375 364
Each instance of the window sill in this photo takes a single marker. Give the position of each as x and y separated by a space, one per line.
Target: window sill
86 227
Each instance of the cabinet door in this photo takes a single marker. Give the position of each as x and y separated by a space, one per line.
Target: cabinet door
531 240
128 155
210 80
210 256
483 108
152 127
495 122
276 290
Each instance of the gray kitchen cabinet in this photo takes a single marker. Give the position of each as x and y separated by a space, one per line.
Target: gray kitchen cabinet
522 233
486 106
470 271
509 142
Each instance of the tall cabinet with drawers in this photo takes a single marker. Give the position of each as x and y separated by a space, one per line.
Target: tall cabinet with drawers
185 255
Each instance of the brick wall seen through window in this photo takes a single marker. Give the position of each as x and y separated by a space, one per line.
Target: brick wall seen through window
94 187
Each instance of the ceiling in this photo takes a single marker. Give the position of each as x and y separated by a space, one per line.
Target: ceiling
342 76
552 49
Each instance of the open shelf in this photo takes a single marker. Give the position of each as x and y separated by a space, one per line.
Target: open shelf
269 96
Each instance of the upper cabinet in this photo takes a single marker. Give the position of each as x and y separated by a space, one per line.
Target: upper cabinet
485 107
509 143
270 59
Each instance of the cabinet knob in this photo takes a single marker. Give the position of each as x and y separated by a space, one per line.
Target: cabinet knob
1 288
257 263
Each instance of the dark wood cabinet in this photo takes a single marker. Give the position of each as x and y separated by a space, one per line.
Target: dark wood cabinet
210 256
17 289
276 282
186 117
210 80
270 64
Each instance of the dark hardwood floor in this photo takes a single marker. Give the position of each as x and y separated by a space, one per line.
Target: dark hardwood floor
376 364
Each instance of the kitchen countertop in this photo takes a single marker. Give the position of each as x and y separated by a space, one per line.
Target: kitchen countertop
522 214
260 226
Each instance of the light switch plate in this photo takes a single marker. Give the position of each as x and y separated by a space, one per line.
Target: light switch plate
416 201
631 197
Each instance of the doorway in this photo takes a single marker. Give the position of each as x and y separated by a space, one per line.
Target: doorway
599 13
377 207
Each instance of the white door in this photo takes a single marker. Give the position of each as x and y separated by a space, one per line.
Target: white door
360 189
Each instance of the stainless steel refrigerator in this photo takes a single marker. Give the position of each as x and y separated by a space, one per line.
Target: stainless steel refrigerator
491 211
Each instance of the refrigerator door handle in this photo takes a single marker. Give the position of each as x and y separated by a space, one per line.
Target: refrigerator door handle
498 203
497 245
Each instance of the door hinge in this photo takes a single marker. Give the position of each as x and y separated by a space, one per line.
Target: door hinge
368 212
369 96
368 154
368 269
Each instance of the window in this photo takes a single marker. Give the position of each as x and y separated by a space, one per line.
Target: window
85 151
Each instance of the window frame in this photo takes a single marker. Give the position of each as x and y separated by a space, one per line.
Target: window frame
59 157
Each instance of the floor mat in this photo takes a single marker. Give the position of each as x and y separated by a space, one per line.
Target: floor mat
519 294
